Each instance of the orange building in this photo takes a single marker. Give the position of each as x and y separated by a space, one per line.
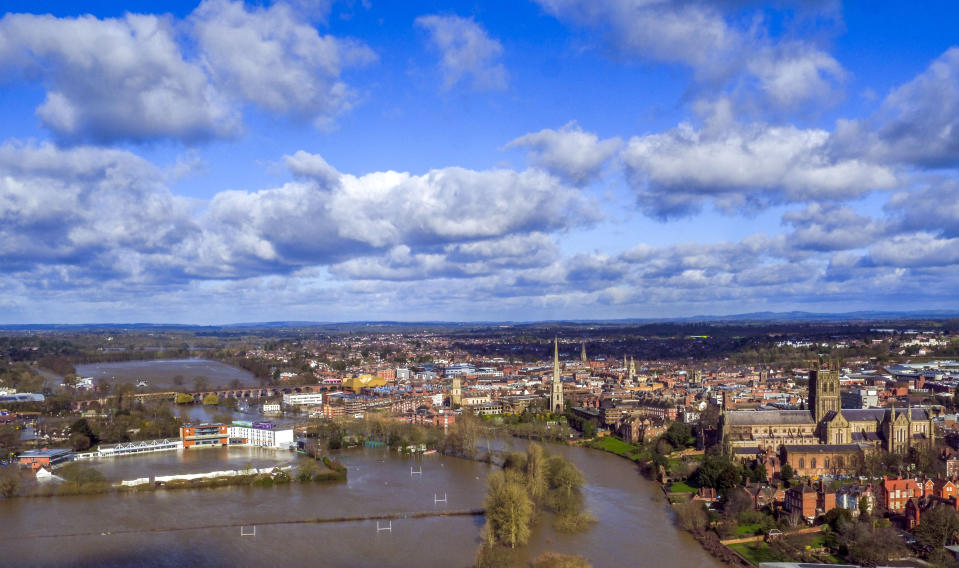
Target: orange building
204 435
35 459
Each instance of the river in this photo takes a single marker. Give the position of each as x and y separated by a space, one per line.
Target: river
634 522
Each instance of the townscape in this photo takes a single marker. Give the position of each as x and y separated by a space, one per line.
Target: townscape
754 432
530 284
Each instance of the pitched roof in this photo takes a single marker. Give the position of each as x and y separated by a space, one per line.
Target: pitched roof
767 417
822 448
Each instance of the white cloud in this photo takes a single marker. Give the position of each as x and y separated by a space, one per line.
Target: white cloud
741 167
830 227
931 208
917 124
467 52
723 44
327 218
793 73
128 79
114 79
568 152
271 58
915 250
78 204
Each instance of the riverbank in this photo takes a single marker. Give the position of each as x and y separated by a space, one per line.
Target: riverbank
708 540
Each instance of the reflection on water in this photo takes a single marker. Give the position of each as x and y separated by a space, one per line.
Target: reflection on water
633 528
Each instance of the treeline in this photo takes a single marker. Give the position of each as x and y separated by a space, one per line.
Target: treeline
262 370
529 485
133 354
58 364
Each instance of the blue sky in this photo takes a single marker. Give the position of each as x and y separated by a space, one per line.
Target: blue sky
223 161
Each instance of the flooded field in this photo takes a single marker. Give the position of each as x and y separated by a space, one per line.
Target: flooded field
161 373
199 527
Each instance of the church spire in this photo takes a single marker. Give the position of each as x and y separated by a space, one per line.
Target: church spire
556 403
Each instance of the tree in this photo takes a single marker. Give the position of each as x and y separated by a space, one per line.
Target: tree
786 473
736 503
211 400
9 480
938 526
80 474
864 509
79 442
870 545
83 427
718 472
9 438
536 481
838 518
679 435
692 516
184 398
589 429
509 510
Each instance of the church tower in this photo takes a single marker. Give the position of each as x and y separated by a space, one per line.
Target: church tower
556 403
582 354
632 369
456 391
824 390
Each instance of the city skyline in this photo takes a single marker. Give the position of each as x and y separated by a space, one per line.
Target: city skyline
222 162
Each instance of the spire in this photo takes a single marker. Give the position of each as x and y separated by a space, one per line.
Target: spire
582 354
556 360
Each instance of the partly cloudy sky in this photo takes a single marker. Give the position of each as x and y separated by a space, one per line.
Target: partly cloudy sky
223 161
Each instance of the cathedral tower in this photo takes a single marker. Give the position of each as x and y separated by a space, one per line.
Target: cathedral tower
824 390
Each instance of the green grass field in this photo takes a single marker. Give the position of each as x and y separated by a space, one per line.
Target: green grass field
757 552
615 446
681 487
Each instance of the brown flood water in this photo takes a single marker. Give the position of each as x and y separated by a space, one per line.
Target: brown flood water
634 529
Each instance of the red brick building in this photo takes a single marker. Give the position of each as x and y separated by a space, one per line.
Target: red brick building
894 493
802 499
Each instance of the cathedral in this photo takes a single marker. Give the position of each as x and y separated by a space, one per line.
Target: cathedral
826 426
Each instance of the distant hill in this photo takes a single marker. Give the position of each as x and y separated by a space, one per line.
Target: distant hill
753 317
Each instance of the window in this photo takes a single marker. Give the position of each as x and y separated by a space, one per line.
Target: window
802 463
813 465
827 463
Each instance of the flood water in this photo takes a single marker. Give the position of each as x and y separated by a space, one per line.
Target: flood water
161 372
634 522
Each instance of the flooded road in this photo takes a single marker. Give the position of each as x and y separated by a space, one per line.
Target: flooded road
633 529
